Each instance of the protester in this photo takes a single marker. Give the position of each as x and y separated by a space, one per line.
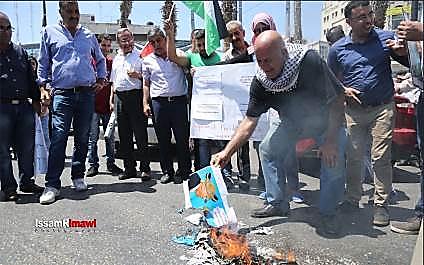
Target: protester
165 86
306 109
17 83
239 47
334 34
65 61
102 112
361 61
126 83
413 31
260 23
192 60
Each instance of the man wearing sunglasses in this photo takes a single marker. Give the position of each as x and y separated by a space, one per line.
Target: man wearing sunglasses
17 84
361 61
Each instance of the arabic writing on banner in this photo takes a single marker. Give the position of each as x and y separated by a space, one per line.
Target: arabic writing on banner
219 101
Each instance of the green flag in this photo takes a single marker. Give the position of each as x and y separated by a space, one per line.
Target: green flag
214 24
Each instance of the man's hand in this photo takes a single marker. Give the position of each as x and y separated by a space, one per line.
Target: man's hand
168 27
45 97
352 93
410 30
99 85
192 71
220 159
134 74
398 47
146 109
328 152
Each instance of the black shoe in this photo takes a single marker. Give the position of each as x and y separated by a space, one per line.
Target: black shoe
166 178
349 207
178 179
31 188
126 175
92 171
330 225
381 216
268 211
243 185
11 196
114 169
145 176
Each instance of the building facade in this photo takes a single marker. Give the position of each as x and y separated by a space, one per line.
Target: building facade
332 14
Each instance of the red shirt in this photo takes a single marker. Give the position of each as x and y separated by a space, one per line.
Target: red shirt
102 97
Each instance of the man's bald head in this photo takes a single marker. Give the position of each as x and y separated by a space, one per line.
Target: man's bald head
5 31
271 53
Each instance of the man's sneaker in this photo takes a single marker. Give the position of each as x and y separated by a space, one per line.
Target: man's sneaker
381 216
268 211
31 188
145 176
49 195
79 184
330 224
262 195
348 207
92 171
298 198
114 169
410 227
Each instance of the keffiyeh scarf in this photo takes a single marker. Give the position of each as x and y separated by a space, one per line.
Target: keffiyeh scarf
288 78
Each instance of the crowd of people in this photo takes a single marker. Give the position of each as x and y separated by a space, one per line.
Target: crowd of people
75 80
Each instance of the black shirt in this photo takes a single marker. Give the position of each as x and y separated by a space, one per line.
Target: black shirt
17 80
306 107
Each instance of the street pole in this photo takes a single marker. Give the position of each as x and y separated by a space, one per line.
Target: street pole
240 12
44 23
414 10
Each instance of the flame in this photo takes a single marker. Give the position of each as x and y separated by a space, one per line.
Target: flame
289 258
231 245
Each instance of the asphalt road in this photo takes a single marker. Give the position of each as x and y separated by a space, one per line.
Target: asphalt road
136 221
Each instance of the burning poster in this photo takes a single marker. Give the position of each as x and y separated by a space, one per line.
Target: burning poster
206 190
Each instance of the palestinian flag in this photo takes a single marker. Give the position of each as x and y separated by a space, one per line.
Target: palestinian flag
214 24
147 49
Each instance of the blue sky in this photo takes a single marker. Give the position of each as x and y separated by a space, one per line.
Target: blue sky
26 16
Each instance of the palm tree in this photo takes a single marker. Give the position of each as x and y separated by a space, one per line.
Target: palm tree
166 10
125 8
298 21
229 12
379 8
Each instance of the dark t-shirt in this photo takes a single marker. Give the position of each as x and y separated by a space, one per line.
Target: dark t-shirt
307 106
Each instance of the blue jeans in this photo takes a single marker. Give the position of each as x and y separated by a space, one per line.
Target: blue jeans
76 107
93 157
45 125
205 150
274 149
419 207
17 127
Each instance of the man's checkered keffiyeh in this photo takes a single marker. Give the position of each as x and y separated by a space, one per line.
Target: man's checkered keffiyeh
288 78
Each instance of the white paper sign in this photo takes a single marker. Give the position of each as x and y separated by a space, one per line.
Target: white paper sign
226 87
41 151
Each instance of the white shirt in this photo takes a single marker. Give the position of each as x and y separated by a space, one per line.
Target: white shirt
166 78
121 65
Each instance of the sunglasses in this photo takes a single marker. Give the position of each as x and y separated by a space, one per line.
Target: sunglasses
6 28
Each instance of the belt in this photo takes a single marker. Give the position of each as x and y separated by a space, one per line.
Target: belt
170 99
77 89
353 103
12 101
